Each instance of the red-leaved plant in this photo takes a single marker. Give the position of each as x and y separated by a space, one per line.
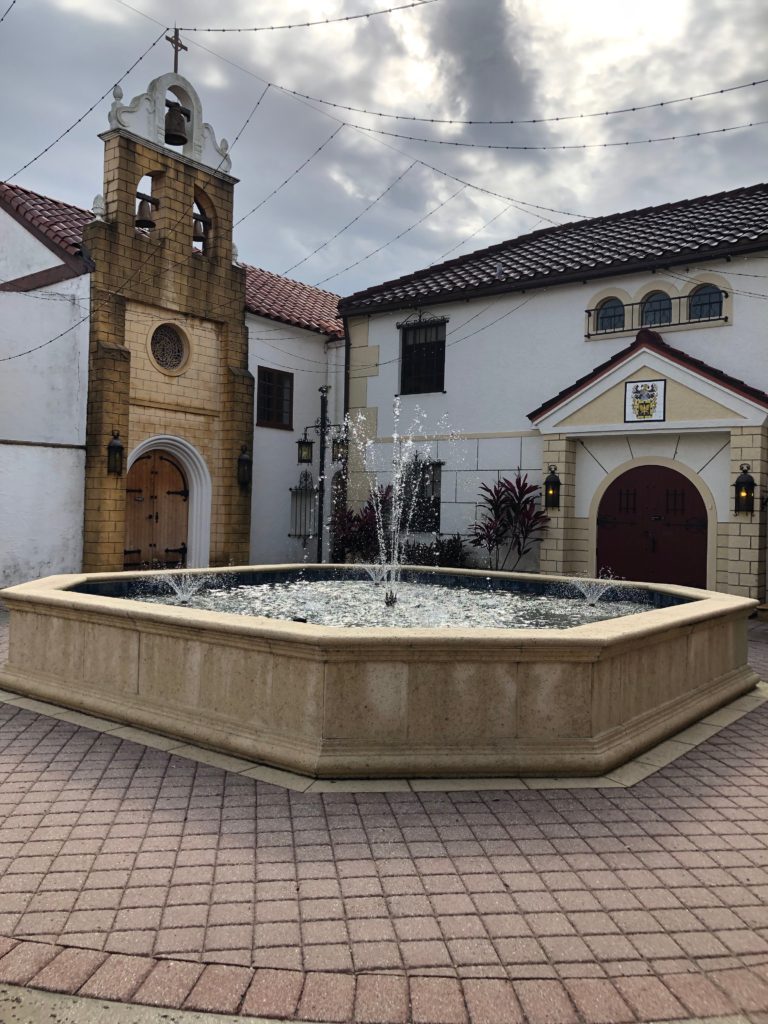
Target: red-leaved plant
509 518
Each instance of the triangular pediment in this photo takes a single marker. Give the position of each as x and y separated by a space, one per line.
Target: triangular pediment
652 387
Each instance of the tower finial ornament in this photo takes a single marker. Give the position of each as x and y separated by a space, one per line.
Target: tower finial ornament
177 45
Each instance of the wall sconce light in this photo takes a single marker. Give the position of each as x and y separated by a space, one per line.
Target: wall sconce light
338 449
244 467
744 488
115 454
552 488
305 450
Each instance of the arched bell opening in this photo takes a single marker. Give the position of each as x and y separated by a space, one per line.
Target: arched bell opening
202 225
146 205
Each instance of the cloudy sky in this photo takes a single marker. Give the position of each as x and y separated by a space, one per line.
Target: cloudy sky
459 60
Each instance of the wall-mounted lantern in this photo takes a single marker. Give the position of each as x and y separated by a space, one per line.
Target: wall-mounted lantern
744 489
305 450
339 449
244 467
115 454
552 488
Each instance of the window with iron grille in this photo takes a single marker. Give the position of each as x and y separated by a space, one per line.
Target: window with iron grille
422 367
274 399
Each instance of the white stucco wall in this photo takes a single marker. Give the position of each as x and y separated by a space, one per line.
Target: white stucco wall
507 355
43 399
41 512
20 252
275 469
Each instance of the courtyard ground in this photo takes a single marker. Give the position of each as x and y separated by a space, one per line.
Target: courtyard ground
134 874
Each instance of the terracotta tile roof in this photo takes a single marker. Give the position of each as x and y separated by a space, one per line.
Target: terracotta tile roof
704 228
60 223
267 294
652 341
291 302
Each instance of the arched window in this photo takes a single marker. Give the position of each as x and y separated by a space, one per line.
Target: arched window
705 303
656 309
610 315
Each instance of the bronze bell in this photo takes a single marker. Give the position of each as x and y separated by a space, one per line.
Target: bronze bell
198 230
175 126
144 217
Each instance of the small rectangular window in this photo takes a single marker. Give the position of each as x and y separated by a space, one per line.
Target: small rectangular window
422 501
274 399
423 357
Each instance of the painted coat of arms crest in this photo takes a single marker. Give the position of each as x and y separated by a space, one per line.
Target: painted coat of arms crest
644 400
645 397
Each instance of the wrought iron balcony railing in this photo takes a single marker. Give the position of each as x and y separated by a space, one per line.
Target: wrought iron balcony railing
657 310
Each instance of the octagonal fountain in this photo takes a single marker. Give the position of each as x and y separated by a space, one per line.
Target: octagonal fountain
390 699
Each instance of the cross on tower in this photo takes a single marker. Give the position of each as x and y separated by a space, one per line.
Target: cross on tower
177 45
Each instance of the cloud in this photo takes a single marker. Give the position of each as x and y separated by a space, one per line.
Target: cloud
484 59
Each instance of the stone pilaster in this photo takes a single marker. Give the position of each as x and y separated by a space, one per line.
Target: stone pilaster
563 550
744 572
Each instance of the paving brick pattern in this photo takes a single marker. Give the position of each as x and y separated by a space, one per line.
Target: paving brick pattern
132 874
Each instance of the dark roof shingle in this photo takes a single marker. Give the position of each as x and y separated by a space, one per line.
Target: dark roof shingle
702 228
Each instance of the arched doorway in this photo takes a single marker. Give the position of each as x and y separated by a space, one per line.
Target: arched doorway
652 526
156 514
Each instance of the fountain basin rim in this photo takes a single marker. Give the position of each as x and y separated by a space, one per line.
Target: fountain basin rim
57 590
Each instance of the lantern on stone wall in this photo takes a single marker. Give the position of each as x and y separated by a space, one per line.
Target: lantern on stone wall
115 455
552 488
244 467
744 489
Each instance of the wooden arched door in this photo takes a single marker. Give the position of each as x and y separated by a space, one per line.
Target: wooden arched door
156 513
652 526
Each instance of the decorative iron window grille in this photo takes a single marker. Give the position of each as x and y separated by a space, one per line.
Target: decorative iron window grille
304 508
274 399
706 303
422 359
169 349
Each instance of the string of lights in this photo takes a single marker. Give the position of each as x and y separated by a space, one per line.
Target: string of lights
311 24
339 121
143 264
527 120
290 177
90 109
391 241
354 220
568 146
7 11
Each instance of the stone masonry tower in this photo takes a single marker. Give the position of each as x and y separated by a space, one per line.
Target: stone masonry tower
168 345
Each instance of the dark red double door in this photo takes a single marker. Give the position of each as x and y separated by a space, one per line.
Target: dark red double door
652 526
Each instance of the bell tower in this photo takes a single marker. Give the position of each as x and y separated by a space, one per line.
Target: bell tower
168 363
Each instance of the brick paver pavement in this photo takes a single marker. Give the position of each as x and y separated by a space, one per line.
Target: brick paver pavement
136 875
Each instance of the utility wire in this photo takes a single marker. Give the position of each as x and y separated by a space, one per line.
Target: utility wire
291 176
526 120
310 24
482 227
88 111
392 240
144 263
338 120
580 145
7 11
354 219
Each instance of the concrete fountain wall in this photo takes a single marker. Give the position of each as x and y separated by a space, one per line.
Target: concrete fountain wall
378 702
